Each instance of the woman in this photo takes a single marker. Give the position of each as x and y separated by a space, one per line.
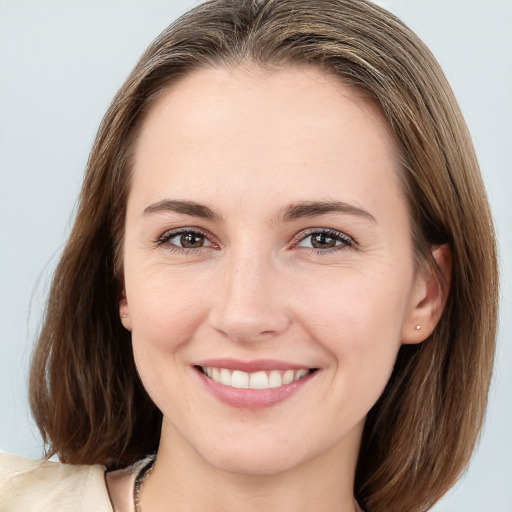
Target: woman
272 236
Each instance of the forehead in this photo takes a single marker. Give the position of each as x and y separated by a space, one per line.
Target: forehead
249 93
264 131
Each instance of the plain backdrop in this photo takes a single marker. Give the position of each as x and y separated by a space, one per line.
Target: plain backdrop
61 62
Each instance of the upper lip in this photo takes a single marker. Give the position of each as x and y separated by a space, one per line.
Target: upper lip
251 366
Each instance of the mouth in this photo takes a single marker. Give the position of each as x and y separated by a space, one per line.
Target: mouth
253 385
261 379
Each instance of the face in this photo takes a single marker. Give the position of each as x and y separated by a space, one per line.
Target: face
268 265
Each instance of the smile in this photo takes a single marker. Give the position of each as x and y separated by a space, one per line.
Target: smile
254 380
253 385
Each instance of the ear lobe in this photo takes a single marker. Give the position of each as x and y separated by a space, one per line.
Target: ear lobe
429 297
124 311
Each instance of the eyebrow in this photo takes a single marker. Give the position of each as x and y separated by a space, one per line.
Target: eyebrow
291 212
186 207
313 208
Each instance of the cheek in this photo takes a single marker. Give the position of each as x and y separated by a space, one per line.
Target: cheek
357 302
164 319
358 319
165 311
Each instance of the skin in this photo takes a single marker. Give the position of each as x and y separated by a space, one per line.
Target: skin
248 143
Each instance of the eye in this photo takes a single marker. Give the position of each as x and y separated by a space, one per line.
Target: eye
185 239
325 239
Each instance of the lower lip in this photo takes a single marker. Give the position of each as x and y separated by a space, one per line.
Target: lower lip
243 398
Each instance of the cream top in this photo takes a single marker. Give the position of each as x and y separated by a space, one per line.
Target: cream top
28 485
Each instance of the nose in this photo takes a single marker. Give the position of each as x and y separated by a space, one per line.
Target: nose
251 301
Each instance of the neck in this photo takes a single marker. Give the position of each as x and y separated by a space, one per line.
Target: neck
181 477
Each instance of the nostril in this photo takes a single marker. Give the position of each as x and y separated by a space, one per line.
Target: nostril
239 322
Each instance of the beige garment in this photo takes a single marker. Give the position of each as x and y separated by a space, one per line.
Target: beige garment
28 485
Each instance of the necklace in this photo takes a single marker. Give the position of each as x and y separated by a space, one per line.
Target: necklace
147 466
145 470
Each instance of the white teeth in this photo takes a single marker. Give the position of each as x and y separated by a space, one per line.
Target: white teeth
300 374
255 380
225 377
288 376
274 379
239 379
258 380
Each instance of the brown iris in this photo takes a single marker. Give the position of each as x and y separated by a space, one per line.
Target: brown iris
322 241
191 240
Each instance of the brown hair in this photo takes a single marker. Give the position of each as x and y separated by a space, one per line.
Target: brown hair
86 395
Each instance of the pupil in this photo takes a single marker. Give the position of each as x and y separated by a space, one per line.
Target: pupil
321 241
191 240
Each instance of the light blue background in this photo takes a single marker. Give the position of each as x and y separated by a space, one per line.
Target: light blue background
61 62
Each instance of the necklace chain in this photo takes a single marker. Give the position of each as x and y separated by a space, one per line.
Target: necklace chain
145 470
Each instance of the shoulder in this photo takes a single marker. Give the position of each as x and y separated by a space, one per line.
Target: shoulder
28 485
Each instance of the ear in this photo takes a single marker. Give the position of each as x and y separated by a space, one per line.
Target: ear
429 297
124 311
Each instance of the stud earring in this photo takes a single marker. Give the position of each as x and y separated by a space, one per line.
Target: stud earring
124 315
418 327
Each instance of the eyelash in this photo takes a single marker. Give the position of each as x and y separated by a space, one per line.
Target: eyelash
169 235
345 240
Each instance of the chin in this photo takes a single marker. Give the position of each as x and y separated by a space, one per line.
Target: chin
253 454
257 462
